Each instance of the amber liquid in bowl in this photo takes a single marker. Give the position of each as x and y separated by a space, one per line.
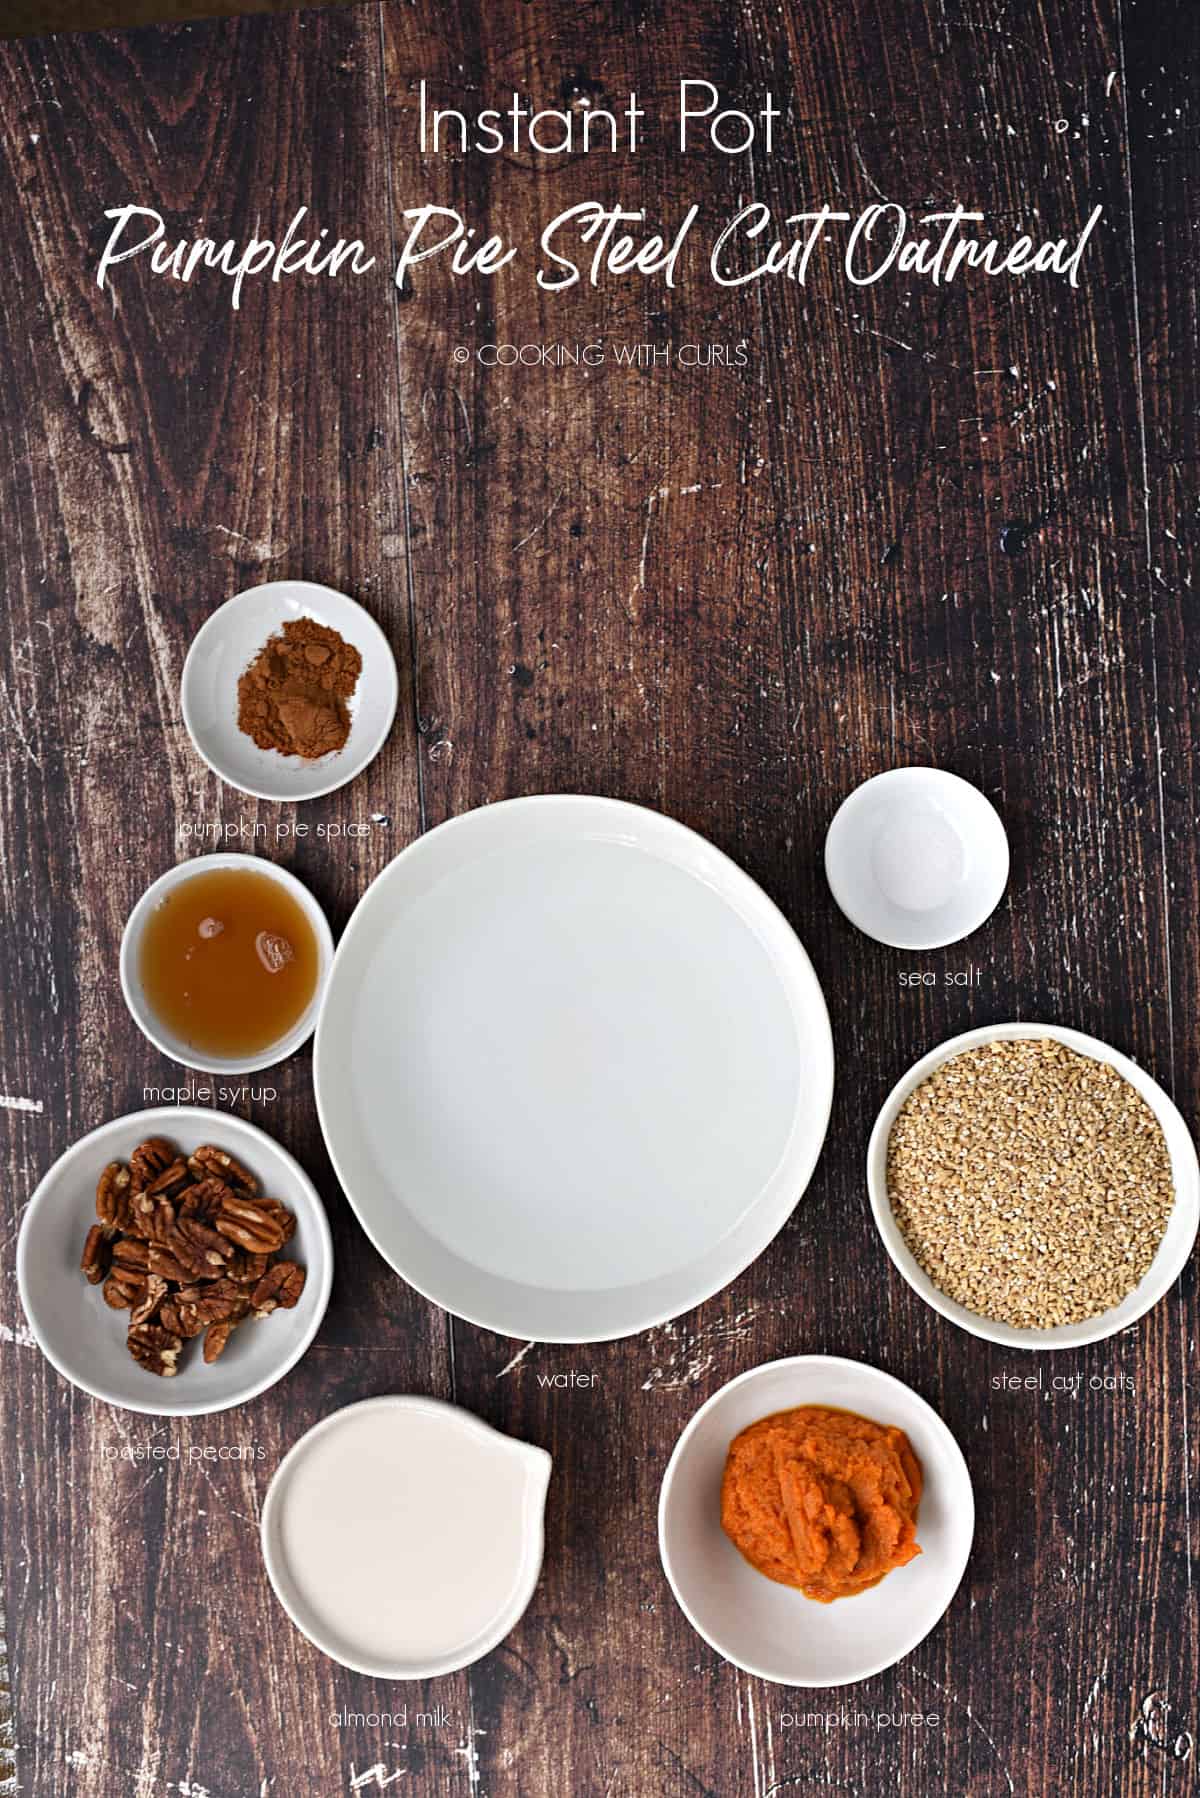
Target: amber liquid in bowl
229 962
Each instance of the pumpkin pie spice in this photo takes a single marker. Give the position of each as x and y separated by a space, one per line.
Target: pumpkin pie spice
293 696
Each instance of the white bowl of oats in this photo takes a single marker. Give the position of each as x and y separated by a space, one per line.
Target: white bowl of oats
1034 1185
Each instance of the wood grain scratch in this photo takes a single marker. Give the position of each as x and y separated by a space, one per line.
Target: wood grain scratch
8 1745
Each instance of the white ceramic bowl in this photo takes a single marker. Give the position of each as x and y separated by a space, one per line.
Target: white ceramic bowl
152 1026
1173 1251
85 1340
573 1067
223 649
772 1630
436 1500
916 858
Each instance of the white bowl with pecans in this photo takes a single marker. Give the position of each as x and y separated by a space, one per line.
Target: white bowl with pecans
175 1262
1034 1185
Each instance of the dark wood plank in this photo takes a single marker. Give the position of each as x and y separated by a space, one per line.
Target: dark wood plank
33 18
729 593
734 597
1162 44
163 452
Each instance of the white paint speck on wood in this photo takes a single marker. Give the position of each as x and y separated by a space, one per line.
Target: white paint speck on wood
8 1744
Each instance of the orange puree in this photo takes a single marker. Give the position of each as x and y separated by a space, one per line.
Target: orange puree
822 1499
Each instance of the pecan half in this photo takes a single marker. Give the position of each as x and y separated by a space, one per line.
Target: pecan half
216 1336
113 1196
132 1255
223 1302
279 1288
201 1240
123 1288
196 1307
243 1268
199 1259
204 1200
155 1349
149 1160
170 1181
181 1320
287 1219
167 1266
220 1295
97 1255
210 1160
153 1294
253 1224
137 1223
154 1216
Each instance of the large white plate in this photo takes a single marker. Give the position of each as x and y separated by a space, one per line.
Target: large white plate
573 1067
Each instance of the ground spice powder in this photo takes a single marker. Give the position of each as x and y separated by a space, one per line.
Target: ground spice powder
293 695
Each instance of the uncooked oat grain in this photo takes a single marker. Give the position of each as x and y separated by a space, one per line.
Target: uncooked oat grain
1031 1183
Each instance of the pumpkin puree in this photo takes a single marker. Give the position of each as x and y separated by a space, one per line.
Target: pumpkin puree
822 1499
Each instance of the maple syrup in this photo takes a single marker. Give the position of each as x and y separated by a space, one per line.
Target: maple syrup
229 961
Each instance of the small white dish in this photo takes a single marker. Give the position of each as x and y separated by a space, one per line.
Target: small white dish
916 858
152 1027
404 1537
223 649
1173 1251
85 1340
573 1067
771 1630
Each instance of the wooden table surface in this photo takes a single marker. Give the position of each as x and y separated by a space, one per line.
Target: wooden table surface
33 18
947 525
